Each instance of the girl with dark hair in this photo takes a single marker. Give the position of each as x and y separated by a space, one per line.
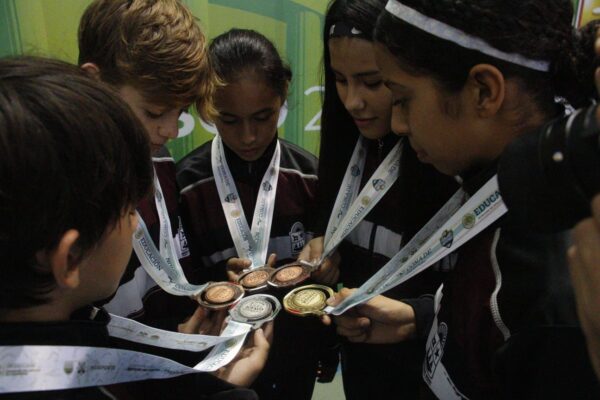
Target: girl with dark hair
359 149
262 172
466 78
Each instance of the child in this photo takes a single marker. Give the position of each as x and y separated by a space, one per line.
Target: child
358 105
466 78
74 162
256 84
153 53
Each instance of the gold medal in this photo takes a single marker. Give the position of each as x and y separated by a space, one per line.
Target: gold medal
307 300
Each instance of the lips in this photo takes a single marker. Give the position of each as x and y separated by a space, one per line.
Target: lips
363 121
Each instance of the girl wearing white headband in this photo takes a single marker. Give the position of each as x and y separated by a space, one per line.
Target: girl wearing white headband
357 108
467 78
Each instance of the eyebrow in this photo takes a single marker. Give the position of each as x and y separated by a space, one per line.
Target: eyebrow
396 85
266 109
360 74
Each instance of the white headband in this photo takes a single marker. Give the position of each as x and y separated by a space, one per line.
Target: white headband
447 32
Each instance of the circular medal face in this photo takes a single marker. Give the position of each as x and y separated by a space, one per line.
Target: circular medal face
256 309
255 279
307 300
289 275
220 294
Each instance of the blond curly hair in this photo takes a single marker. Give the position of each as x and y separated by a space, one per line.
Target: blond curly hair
156 46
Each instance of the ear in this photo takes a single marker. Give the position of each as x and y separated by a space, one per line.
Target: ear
487 86
64 262
91 69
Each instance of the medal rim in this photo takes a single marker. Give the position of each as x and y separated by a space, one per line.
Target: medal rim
238 294
306 311
263 285
235 315
304 275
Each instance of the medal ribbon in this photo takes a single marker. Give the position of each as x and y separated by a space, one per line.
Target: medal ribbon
452 226
249 243
349 208
162 265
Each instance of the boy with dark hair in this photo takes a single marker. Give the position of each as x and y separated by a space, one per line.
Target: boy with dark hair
154 54
74 162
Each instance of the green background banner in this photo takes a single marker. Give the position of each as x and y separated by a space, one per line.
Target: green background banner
49 28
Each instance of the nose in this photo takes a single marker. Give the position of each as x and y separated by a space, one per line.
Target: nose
248 133
354 100
169 128
399 124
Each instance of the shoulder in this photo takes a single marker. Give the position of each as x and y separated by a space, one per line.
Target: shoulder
195 167
296 159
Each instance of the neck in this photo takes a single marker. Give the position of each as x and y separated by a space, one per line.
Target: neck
42 313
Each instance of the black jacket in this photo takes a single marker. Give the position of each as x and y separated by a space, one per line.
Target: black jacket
507 325
299 343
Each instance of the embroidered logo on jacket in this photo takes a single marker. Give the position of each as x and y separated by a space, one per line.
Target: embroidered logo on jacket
297 238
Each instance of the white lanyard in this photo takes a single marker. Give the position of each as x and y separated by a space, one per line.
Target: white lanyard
249 243
452 227
162 265
349 208
40 368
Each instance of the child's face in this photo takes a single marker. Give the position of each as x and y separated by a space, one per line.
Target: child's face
450 143
161 122
248 114
103 268
360 86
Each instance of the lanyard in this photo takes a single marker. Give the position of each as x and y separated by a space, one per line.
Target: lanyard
350 208
43 368
450 228
162 264
249 243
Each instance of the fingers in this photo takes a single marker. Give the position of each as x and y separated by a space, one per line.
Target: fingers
268 331
235 266
272 260
313 250
596 208
193 324
238 264
329 272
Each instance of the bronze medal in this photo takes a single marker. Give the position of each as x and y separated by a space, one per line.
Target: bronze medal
220 294
255 279
289 275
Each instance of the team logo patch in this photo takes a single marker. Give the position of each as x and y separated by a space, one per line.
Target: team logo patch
468 220
267 186
378 184
297 237
235 213
365 201
447 238
139 234
230 198
355 170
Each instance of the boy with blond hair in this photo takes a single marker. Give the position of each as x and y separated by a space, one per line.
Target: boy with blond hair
154 54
